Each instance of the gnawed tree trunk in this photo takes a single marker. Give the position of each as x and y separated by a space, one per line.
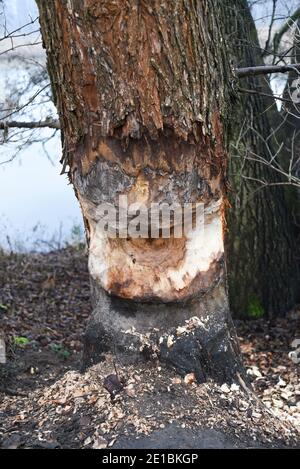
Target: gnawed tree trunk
143 91
261 246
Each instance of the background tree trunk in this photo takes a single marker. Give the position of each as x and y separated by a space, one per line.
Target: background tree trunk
290 134
143 91
261 244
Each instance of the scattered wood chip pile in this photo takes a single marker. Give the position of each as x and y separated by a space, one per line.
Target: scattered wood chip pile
46 402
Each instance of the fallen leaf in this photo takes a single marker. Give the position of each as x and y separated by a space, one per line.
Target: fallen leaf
190 378
170 341
99 443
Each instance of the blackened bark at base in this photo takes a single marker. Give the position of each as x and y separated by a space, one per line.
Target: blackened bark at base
196 336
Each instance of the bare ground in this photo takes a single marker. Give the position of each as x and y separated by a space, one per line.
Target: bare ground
45 401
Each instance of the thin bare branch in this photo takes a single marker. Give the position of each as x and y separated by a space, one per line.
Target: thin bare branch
51 124
244 90
265 70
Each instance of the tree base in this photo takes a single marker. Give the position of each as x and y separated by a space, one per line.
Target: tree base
196 336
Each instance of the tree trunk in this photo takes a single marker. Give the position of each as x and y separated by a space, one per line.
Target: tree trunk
290 134
143 90
260 241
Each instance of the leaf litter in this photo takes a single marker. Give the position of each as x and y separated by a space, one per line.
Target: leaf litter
46 402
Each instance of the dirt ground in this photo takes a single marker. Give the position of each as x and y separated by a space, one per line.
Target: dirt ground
46 402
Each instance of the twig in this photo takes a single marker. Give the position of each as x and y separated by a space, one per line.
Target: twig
51 124
265 70
284 29
244 90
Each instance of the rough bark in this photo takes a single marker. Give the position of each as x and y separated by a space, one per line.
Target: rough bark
290 134
143 90
261 246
